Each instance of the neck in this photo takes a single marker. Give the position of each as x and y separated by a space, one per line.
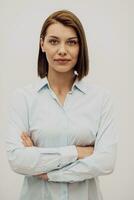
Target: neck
61 82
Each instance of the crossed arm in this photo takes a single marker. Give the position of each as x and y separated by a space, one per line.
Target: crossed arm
44 162
82 152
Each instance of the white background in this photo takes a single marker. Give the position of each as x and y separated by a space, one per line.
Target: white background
109 31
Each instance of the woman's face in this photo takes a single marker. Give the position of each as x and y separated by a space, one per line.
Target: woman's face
61 46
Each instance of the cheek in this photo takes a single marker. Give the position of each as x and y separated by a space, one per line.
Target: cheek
50 53
75 53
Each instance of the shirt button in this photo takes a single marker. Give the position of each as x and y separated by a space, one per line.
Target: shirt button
70 92
58 165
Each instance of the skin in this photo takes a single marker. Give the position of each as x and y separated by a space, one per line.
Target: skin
60 42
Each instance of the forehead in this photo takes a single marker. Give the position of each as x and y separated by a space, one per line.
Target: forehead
60 31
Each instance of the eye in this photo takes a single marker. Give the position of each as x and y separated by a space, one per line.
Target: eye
53 41
72 42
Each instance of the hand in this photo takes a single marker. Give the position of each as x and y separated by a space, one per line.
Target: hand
26 140
43 176
84 151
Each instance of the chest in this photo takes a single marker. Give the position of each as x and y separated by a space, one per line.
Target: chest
69 121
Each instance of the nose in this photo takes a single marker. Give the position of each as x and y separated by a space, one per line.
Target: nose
62 50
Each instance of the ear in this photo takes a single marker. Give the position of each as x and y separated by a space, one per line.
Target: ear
42 45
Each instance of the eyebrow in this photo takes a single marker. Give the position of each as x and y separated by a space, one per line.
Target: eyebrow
53 36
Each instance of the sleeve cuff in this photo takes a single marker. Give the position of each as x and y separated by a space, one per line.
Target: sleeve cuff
62 156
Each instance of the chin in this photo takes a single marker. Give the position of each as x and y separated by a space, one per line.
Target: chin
63 70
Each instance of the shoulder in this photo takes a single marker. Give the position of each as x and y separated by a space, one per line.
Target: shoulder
23 94
98 93
95 89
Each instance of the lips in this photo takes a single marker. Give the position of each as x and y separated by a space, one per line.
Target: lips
62 61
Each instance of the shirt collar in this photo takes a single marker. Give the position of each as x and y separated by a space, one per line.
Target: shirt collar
81 85
41 83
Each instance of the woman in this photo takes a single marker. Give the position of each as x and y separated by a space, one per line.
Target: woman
61 128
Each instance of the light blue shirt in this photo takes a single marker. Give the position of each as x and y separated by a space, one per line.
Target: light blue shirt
85 118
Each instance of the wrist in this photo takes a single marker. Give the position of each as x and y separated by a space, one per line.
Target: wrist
78 153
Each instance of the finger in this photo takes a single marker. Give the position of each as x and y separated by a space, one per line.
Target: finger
30 142
26 142
24 134
27 139
40 175
44 176
23 137
23 140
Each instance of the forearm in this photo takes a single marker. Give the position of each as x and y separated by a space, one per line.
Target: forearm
65 152
99 163
35 160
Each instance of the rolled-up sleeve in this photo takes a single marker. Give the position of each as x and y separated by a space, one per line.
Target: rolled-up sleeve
102 161
31 160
